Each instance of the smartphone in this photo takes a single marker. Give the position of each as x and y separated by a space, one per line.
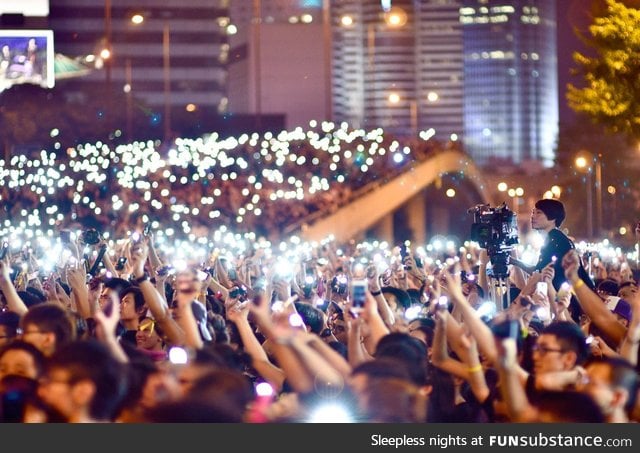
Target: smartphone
443 303
121 262
147 229
358 290
589 339
542 288
4 250
166 270
202 275
507 329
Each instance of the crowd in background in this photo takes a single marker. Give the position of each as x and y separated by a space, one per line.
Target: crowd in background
253 183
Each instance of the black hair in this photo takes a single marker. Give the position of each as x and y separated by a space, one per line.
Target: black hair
553 209
311 316
30 299
21 345
51 317
570 406
408 349
609 286
138 298
570 337
117 284
91 360
404 299
11 321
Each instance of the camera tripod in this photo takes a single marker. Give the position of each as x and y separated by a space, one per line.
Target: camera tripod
498 287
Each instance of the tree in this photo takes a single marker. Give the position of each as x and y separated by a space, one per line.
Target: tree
611 92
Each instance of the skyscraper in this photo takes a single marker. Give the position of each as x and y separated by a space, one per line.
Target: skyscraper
511 80
169 53
401 68
484 71
277 61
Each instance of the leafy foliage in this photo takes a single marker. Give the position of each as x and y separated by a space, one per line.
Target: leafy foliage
611 92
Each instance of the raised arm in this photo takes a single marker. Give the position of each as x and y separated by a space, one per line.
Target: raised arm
237 312
590 302
156 303
14 302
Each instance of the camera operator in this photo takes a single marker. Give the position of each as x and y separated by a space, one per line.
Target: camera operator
546 218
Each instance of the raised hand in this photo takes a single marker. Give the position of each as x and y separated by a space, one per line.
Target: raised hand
571 264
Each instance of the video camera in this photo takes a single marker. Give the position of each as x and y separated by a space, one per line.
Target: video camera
496 230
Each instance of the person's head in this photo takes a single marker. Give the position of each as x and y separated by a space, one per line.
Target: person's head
378 368
132 304
84 382
20 358
149 336
393 400
48 327
560 347
408 349
473 292
547 214
312 317
422 329
567 407
9 324
31 298
606 288
627 290
338 327
112 287
612 382
231 388
398 299
622 312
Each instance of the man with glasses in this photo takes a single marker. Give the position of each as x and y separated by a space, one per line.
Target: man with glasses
48 327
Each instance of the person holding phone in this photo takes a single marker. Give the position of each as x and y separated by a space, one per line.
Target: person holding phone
546 218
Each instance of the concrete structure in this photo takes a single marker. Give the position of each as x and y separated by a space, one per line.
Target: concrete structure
403 192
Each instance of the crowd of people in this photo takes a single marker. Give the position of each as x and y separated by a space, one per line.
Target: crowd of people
252 183
122 331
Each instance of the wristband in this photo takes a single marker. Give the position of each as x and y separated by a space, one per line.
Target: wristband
578 283
475 369
143 278
376 293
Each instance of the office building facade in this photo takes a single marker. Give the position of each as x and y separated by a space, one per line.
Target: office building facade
482 71
511 81
161 51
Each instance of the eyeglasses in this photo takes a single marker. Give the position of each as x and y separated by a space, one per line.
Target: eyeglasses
544 349
148 326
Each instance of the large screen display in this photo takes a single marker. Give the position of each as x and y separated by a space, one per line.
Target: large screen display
26 56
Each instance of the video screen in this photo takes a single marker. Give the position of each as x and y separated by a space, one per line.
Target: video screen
26 56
